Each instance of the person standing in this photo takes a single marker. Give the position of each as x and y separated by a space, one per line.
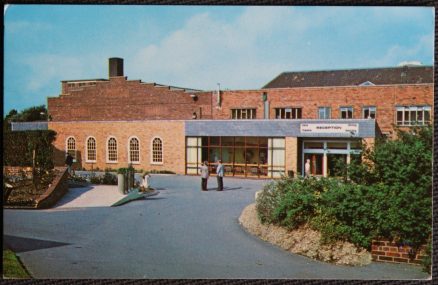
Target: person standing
307 169
69 163
204 176
220 176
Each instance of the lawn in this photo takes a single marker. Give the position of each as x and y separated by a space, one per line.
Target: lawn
12 267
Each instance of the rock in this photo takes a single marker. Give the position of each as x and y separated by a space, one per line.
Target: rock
304 241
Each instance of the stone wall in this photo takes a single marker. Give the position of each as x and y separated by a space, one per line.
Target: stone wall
17 171
57 189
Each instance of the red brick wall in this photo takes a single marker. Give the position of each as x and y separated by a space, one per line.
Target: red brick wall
385 98
387 251
121 99
171 133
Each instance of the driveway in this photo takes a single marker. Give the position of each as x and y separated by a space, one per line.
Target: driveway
179 233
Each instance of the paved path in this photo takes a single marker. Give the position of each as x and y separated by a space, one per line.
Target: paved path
90 196
180 233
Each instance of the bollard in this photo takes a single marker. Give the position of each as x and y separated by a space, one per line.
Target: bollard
121 183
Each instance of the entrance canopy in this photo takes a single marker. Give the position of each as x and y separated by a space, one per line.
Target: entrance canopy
342 128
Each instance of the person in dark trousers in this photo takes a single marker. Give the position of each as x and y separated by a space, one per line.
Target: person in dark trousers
220 176
204 176
69 163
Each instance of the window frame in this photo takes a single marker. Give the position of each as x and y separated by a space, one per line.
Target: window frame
67 149
238 113
325 113
347 108
281 113
87 149
408 109
107 150
129 150
364 108
152 152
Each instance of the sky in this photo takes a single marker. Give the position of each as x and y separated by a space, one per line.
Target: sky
240 47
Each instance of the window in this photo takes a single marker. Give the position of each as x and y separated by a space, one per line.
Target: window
413 115
134 150
324 113
288 113
112 150
91 149
157 151
346 112
369 112
239 114
71 147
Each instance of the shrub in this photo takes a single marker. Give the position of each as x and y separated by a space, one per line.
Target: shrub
427 260
388 196
18 148
109 179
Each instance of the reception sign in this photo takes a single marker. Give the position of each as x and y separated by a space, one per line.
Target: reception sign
332 128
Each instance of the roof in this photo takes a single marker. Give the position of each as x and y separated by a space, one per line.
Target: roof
278 128
354 77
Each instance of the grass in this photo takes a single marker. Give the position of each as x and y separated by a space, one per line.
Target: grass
12 267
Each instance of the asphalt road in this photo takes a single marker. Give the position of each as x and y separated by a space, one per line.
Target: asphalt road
180 233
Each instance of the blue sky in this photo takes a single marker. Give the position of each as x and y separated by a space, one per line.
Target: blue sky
200 46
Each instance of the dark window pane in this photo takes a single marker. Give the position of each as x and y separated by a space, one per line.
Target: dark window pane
399 117
407 120
366 113
215 140
414 117
263 142
204 141
227 141
263 156
252 141
214 154
239 141
298 113
227 155
426 116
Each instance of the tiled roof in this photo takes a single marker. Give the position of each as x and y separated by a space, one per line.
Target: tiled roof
354 77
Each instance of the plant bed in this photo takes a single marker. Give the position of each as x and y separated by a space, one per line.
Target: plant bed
304 241
26 191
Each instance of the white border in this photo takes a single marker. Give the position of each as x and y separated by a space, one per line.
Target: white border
129 150
152 151
107 153
86 149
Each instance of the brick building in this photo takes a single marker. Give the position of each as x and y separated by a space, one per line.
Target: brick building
320 115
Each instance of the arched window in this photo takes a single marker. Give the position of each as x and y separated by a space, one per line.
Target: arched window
112 150
134 150
91 149
71 147
157 151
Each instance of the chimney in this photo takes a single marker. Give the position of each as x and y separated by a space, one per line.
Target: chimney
115 67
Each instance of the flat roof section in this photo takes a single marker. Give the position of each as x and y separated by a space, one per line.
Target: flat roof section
345 128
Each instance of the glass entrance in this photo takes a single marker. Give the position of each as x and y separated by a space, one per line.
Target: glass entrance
241 156
328 158
316 163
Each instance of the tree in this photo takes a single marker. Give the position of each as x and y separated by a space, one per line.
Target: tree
31 114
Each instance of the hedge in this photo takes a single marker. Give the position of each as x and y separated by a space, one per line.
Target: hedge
18 148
